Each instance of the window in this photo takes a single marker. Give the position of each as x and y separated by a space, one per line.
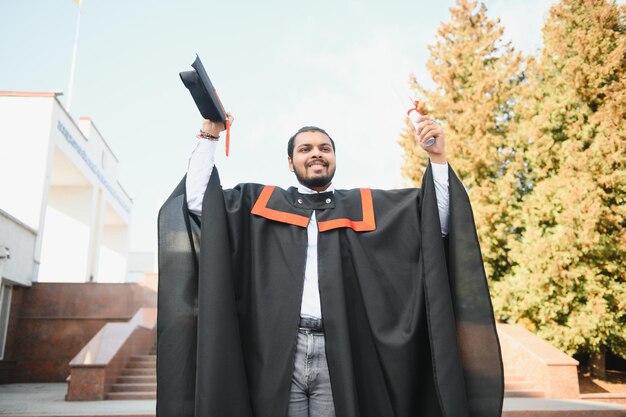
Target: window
5 308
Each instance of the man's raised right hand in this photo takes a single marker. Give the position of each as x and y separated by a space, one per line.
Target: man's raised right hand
214 128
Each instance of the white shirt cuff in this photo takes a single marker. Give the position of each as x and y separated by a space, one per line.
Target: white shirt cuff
440 177
440 172
201 165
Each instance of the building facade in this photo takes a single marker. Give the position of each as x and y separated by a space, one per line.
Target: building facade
64 217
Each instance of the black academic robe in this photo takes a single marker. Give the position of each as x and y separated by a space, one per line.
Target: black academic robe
408 320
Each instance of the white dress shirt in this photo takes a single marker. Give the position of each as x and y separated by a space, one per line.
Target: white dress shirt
199 171
311 303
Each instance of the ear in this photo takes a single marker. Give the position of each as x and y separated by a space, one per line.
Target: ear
290 162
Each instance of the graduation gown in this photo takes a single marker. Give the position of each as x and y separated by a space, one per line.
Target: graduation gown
407 316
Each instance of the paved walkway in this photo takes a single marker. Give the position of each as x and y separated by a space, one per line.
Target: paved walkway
49 400
523 406
20 400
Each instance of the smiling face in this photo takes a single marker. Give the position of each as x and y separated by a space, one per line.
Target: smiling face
313 160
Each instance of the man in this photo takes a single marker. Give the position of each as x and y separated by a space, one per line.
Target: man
321 302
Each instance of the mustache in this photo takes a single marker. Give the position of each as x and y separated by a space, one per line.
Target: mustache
316 161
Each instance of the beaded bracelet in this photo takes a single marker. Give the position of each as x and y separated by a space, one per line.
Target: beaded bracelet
206 135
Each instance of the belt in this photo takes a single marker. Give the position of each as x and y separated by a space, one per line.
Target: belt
309 323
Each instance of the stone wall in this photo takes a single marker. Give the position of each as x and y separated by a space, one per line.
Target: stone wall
51 322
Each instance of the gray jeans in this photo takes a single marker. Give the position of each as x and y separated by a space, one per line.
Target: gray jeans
310 395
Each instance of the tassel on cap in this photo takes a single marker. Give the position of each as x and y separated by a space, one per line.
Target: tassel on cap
227 147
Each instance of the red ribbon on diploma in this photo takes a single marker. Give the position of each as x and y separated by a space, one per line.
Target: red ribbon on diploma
416 104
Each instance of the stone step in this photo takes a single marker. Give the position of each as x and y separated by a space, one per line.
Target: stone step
521 385
135 387
143 358
131 396
606 397
140 365
523 393
136 379
138 372
517 386
514 377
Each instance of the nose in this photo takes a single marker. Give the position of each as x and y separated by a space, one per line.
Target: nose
316 153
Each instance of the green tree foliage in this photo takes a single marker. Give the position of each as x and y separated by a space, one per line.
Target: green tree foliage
541 145
568 283
476 76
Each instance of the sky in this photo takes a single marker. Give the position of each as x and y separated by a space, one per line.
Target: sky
277 65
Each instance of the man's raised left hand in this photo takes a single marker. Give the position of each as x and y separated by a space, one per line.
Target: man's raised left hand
426 130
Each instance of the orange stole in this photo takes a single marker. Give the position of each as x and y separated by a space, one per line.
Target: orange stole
367 224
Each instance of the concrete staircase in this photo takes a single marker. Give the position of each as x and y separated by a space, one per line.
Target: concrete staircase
517 386
96 370
138 380
541 381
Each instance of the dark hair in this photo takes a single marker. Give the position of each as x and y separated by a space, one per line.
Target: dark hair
292 139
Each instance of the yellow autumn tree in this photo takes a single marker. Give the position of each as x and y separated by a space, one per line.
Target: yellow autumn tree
477 76
568 282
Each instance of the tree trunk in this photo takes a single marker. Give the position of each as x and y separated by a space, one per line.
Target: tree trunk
597 364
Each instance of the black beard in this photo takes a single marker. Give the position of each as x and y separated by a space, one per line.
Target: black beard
315 181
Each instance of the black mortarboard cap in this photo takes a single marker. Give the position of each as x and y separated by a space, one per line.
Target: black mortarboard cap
203 92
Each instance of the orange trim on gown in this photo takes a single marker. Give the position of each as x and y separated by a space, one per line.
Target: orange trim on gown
367 224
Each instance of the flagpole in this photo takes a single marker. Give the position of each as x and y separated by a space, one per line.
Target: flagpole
73 68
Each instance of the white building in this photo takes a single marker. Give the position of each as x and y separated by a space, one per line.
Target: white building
64 217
